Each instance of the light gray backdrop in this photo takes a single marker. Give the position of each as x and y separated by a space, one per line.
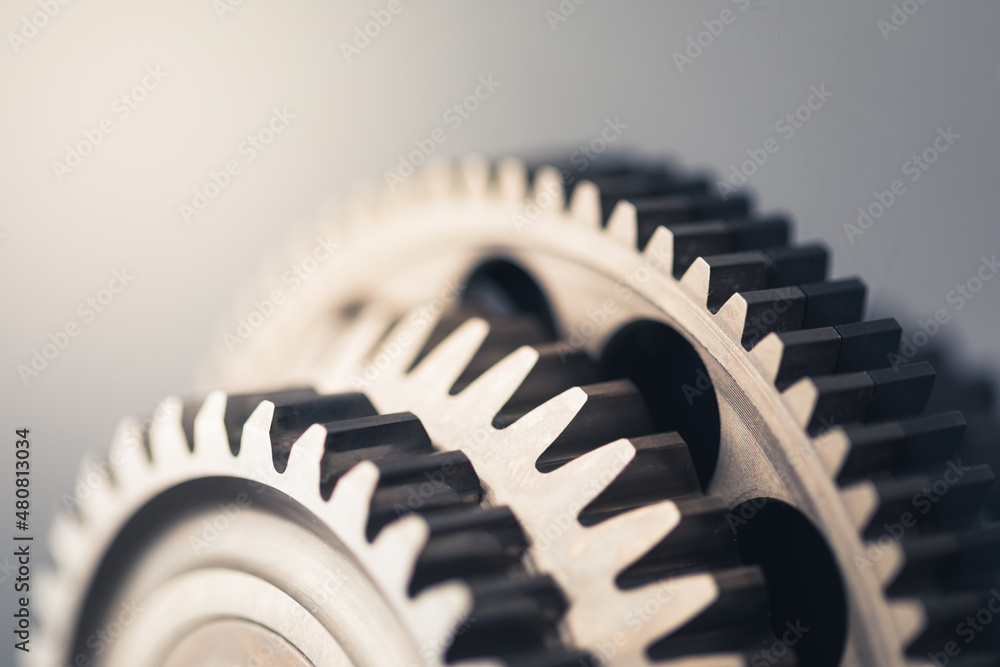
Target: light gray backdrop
222 67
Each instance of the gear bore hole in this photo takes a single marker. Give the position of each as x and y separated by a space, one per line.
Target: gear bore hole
503 289
673 382
808 606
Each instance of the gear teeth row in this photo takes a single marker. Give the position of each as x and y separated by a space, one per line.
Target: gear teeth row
807 336
789 356
482 547
391 557
865 396
804 334
552 452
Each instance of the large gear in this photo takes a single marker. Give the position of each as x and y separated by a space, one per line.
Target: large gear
697 440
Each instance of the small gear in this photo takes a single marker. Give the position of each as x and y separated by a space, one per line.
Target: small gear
246 563
679 442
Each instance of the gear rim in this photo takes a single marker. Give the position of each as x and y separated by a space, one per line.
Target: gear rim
456 208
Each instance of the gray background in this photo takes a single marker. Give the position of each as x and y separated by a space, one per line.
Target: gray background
62 240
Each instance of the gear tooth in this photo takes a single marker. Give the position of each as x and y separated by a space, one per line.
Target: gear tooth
52 597
585 205
718 660
819 403
403 356
909 618
95 476
697 280
661 469
590 626
127 454
438 612
713 279
898 392
43 653
832 448
788 356
659 251
750 316
633 533
833 302
531 435
475 172
801 400
512 176
581 480
768 356
443 365
66 542
255 441
167 442
351 346
947 559
623 225
732 317
704 226
210 438
908 444
304 458
890 562
396 549
362 207
487 394
547 190
351 499
436 180
867 345
861 500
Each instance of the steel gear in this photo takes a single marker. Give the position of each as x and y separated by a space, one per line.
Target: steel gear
673 442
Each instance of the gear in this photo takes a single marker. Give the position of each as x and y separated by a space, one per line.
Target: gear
246 563
699 453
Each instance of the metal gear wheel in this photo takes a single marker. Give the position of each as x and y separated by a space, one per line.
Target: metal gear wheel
639 429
